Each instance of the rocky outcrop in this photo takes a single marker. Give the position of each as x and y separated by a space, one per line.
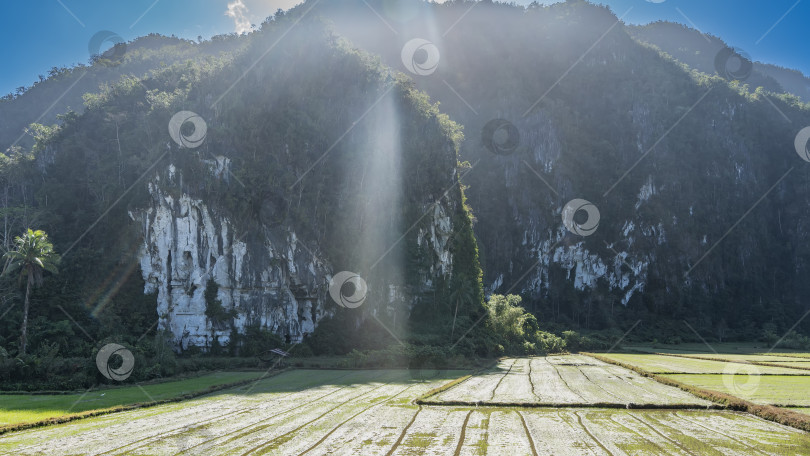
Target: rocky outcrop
269 278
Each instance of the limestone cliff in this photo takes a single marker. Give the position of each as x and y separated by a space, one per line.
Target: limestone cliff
268 278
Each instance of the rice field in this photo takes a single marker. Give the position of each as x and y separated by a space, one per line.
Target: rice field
790 391
783 359
752 357
28 408
561 405
745 348
570 381
664 364
795 364
787 386
797 355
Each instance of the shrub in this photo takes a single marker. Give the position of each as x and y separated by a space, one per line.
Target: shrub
256 341
329 338
549 343
795 341
302 351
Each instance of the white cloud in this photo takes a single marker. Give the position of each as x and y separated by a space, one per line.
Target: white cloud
239 13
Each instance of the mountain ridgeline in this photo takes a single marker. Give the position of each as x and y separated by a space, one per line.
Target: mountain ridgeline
603 172
699 51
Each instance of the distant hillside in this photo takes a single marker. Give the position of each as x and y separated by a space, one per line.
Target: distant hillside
699 51
62 88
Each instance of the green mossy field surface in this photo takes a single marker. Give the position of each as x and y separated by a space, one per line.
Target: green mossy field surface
667 364
27 408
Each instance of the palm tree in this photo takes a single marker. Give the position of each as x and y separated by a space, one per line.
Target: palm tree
32 254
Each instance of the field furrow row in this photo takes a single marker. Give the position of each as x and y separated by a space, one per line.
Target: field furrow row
571 380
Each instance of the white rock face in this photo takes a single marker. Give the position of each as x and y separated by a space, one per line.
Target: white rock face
436 237
267 277
585 268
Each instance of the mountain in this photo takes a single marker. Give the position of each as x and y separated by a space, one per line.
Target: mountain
699 51
62 89
701 196
232 191
609 180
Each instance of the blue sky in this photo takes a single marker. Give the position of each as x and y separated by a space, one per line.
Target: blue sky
39 34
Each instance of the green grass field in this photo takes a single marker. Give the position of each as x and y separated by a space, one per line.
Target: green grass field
795 364
746 348
751 357
788 386
26 408
679 365
745 353
763 389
